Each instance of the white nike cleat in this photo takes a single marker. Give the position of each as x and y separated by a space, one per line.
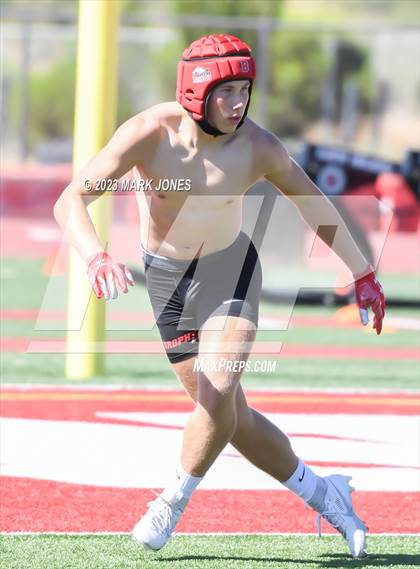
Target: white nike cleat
156 526
338 511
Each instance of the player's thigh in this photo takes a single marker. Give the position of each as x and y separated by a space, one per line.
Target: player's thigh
227 337
224 348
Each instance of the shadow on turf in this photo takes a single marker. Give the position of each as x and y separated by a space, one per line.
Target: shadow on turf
333 561
373 560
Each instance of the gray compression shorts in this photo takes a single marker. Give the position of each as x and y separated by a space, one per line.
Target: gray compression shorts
185 294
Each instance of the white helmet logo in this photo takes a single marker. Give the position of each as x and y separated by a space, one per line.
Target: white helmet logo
201 75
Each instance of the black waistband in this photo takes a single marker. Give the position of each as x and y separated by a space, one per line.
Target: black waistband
171 264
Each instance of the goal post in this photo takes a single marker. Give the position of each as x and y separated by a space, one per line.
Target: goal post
95 117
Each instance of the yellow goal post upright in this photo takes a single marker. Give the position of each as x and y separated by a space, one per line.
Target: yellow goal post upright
95 117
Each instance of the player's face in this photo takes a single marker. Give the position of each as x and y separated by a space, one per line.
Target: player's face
227 105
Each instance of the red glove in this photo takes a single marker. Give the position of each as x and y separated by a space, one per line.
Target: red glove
103 273
369 292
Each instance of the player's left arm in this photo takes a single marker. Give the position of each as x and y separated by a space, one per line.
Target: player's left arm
289 178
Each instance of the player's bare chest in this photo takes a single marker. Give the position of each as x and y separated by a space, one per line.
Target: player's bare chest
217 171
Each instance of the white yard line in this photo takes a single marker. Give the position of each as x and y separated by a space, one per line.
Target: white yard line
176 387
208 534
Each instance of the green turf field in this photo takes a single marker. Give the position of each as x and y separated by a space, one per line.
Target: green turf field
24 287
146 370
204 552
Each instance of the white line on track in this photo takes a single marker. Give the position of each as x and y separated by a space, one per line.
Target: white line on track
176 387
209 534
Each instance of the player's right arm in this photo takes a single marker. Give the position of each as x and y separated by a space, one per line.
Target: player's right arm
132 144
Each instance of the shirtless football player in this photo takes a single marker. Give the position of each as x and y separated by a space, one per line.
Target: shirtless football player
203 273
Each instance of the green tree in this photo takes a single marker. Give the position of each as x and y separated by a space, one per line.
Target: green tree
296 81
52 101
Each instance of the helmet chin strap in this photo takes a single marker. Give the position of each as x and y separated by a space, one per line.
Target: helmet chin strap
209 129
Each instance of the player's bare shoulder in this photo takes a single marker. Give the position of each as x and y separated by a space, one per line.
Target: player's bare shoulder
150 124
167 115
268 151
136 138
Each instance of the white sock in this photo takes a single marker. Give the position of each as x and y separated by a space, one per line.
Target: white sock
182 485
303 482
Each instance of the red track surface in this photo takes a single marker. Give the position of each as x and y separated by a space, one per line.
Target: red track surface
48 506
124 242
56 403
44 506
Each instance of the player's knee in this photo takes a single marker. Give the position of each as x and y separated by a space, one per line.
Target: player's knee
217 394
221 385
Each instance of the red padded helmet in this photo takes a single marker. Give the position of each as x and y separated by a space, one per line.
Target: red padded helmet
207 62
